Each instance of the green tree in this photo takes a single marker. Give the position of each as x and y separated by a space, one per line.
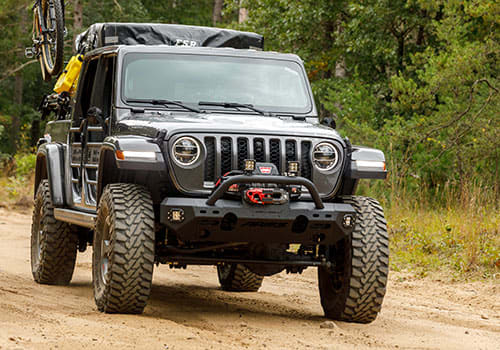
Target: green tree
20 82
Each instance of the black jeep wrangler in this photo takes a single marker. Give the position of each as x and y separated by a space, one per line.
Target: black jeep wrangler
190 145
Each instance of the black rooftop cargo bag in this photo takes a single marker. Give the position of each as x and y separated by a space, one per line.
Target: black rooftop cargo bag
106 34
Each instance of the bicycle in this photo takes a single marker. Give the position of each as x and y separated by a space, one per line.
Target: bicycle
48 36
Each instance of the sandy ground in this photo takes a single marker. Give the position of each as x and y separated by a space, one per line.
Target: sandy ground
187 310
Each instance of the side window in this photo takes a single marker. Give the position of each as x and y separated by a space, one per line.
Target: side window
103 86
84 91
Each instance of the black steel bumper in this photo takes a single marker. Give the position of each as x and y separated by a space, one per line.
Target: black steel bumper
222 220
234 221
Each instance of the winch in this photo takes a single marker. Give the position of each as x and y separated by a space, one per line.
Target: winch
259 193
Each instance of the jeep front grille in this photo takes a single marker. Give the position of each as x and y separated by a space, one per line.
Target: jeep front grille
233 150
305 160
210 160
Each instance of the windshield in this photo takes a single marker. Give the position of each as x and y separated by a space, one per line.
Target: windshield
271 85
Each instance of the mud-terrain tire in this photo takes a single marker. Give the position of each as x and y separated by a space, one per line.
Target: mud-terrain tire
53 242
123 249
238 278
353 290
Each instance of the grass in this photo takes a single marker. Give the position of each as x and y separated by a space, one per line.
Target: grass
17 180
16 192
453 241
453 230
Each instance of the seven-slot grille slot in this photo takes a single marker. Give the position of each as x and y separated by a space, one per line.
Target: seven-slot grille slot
226 153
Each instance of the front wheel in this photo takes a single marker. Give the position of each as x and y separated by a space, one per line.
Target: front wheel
353 290
123 249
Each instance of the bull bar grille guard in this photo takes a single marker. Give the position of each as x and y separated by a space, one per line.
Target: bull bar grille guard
269 179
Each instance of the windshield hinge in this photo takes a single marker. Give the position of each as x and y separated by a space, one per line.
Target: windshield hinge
294 117
137 110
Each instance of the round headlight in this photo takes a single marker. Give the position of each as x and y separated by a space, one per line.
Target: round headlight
325 156
186 151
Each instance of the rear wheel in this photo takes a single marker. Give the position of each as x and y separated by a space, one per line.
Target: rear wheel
123 251
238 278
353 290
53 242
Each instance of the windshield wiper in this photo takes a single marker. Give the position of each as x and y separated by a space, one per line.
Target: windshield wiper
235 105
164 103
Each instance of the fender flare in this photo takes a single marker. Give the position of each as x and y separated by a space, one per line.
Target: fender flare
115 167
372 163
367 163
50 166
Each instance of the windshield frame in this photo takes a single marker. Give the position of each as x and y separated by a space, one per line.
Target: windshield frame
309 110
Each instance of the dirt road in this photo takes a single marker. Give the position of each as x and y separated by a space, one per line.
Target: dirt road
187 310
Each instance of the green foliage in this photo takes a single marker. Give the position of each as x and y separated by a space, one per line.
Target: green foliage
25 164
355 106
451 99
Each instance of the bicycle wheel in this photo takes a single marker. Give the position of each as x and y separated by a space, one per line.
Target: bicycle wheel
37 40
53 43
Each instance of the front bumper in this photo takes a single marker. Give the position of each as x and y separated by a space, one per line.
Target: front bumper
236 221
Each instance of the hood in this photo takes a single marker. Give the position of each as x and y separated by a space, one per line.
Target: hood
150 122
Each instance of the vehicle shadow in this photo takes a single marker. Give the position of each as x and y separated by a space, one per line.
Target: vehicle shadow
188 303
184 303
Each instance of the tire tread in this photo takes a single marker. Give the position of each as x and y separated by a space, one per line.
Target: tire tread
132 261
241 279
58 244
368 267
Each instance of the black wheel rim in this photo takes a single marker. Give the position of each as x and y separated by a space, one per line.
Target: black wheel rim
103 252
104 264
36 239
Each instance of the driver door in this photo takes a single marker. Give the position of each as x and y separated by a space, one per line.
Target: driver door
88 131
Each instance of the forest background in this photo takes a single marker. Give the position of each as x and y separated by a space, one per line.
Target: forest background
418 79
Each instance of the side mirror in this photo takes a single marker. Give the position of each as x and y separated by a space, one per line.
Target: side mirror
94 112
329 122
